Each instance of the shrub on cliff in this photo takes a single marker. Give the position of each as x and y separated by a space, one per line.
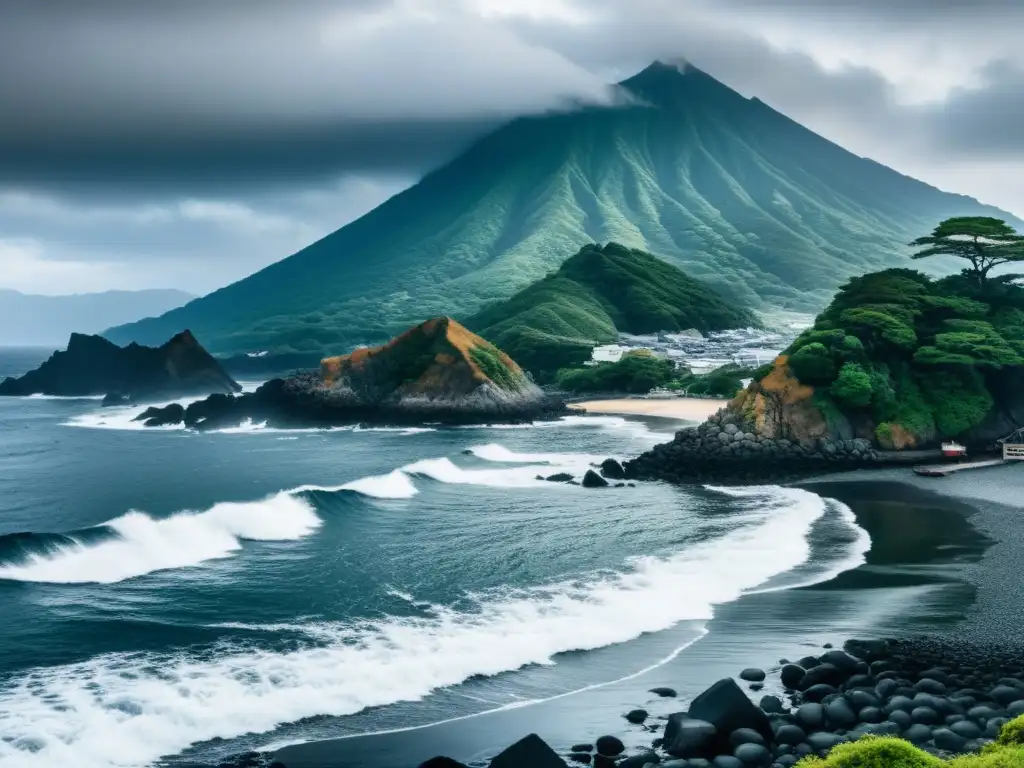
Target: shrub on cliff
853 386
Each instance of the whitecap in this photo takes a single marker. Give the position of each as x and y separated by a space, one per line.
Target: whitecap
500 454
141 544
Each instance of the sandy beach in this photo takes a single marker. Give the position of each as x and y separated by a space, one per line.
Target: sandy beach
685 408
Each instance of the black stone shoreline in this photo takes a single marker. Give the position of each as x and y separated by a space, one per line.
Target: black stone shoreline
874 497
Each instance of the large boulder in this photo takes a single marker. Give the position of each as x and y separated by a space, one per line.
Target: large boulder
611 469
688 738
530 750
791 675
594 480
609 746
727 707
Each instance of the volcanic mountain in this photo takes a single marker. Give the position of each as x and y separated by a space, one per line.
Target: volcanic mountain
720 185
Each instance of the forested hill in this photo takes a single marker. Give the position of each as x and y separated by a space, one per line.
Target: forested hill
596 294
722 186
905 361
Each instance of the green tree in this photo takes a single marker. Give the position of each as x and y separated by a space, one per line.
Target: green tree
853 386
982 240
813 364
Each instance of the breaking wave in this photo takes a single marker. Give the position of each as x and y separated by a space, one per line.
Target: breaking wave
129 709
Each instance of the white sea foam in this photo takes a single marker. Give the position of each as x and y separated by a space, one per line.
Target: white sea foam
143 544
40 396
127 710
854 556
445 471
394 485
122 417
500 454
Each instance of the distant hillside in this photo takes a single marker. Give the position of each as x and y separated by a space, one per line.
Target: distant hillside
27 320
555 322
722 186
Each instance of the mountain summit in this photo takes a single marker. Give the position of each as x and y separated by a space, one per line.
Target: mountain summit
722 186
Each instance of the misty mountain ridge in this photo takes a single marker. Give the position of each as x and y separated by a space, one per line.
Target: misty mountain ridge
724 187
32 320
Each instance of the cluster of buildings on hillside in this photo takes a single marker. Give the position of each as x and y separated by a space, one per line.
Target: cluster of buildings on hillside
703 353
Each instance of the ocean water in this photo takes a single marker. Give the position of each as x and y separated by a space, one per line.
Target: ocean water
175 598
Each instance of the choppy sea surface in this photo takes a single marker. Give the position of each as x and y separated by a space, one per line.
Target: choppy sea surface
173 597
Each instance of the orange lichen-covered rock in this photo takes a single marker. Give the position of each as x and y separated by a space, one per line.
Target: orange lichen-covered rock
436 360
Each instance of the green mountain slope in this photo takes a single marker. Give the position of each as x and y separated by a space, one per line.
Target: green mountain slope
594 295
722 186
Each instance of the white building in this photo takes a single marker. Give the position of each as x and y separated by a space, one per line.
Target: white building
609 353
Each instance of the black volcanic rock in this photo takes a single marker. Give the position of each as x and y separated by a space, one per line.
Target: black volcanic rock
529 751
727 707
611 469
161 417
91 365
594 480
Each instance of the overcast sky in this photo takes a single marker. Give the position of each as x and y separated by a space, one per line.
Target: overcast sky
187 143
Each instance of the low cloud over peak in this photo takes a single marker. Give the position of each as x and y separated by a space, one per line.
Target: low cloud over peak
202 139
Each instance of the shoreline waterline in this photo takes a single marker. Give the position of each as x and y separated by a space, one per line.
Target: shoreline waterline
914 582
681 408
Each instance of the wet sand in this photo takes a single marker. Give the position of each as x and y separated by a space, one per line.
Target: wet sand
926 572
684 408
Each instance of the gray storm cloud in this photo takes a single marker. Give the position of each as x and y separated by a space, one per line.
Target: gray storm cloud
235 92
228 87
186 143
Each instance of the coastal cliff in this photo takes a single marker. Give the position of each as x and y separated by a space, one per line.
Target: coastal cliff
434 372
91 365
897 364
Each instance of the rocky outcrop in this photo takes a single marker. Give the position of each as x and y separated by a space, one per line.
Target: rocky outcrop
91 365
773 429
437 372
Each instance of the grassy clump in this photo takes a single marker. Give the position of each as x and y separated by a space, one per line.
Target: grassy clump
494 368
892 752
874 752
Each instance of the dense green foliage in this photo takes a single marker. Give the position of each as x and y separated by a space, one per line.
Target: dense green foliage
892 752
912 355
638 374
555 322
985 242
719 185
633 374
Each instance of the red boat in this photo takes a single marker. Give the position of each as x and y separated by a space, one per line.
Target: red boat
953 450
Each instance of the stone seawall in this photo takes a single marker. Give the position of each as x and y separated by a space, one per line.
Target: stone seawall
724 448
